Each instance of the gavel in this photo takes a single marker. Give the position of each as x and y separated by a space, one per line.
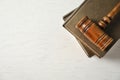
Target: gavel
94 33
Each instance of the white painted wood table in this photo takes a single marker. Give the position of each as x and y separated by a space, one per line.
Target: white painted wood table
35 46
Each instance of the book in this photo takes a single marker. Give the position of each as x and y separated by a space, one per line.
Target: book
95 9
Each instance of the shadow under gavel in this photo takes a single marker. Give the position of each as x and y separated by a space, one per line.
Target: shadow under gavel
94 33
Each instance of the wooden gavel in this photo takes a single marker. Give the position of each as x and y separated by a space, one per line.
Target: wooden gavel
94 33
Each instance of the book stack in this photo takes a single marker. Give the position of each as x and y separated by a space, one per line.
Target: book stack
95 10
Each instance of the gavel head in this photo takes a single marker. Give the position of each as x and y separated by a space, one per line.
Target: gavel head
93 33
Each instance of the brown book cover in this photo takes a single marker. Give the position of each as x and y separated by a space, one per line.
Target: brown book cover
95 9
88 51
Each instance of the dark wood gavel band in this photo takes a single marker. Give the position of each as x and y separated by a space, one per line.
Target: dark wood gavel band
107 19
94 33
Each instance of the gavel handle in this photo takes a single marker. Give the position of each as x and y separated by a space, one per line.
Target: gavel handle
107 19
114 11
